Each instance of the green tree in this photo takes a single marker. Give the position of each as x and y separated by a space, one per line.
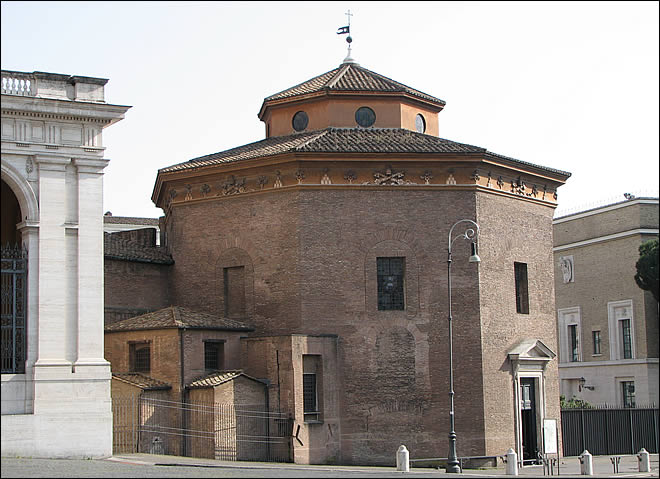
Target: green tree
573 403
647 268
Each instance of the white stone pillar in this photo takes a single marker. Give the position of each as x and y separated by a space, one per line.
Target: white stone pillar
511 463
402 459
643 458
90 264
30 238
53 331
586 463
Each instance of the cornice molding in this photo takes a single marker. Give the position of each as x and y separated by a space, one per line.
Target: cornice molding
88 165
601 239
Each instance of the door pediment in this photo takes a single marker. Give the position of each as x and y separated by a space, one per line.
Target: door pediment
531 350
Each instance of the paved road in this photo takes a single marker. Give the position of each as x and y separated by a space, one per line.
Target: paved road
147 465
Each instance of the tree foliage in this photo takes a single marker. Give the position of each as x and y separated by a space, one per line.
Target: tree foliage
647 268
573 403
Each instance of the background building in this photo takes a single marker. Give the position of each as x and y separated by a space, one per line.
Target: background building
55 381
608 326
113 224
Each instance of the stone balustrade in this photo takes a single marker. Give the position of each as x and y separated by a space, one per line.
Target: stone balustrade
17 83
53 85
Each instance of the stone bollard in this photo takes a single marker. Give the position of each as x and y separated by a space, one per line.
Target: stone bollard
402 459
511 463
586 463
643 460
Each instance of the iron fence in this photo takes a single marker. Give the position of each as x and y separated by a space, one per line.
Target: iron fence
607 430
195 429
13 292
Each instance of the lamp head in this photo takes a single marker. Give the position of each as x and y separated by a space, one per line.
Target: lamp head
474 257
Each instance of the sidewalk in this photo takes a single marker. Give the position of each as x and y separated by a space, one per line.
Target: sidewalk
568 466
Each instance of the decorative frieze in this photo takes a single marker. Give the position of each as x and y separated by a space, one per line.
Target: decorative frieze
233 186
389 176
278 180
325 179
426 177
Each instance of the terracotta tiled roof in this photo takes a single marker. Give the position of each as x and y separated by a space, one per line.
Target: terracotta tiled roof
130 220
334 140
117 246
141 381
351 78
217 378
349 141
178 317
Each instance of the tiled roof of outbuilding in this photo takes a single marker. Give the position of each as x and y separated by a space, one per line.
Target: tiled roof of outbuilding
117 246
334 140
129 220
217 378
141 381
351 77
178 317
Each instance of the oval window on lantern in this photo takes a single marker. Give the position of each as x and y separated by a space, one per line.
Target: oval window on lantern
365 116
420 123
300 121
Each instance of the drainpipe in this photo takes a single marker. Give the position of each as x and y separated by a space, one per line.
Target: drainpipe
182 390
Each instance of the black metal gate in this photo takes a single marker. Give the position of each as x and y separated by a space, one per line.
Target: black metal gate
605 431
208 430
13 283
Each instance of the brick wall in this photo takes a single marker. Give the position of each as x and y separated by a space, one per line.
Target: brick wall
164 355
310 258
133 288
513 231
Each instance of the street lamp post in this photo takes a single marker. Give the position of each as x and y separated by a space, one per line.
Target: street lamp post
469 234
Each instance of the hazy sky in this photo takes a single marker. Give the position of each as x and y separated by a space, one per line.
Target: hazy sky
567 85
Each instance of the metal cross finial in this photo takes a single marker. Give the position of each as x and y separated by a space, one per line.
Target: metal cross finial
349 15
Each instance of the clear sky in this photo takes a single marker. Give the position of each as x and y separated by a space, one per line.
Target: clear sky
567 85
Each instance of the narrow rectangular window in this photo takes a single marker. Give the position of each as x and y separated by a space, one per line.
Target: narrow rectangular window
628 391
596 340
214 356
312 388
309 394
391 277
626 338
140 357
573 338
234 280
522 295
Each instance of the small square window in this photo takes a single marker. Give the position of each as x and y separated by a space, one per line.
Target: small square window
214 352
140 357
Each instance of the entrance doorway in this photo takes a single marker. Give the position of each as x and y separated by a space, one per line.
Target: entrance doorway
528 411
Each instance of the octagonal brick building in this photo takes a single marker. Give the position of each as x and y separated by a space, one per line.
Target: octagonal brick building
330 238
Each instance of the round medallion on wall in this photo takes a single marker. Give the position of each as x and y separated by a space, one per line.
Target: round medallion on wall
420 123
300 121
365 116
